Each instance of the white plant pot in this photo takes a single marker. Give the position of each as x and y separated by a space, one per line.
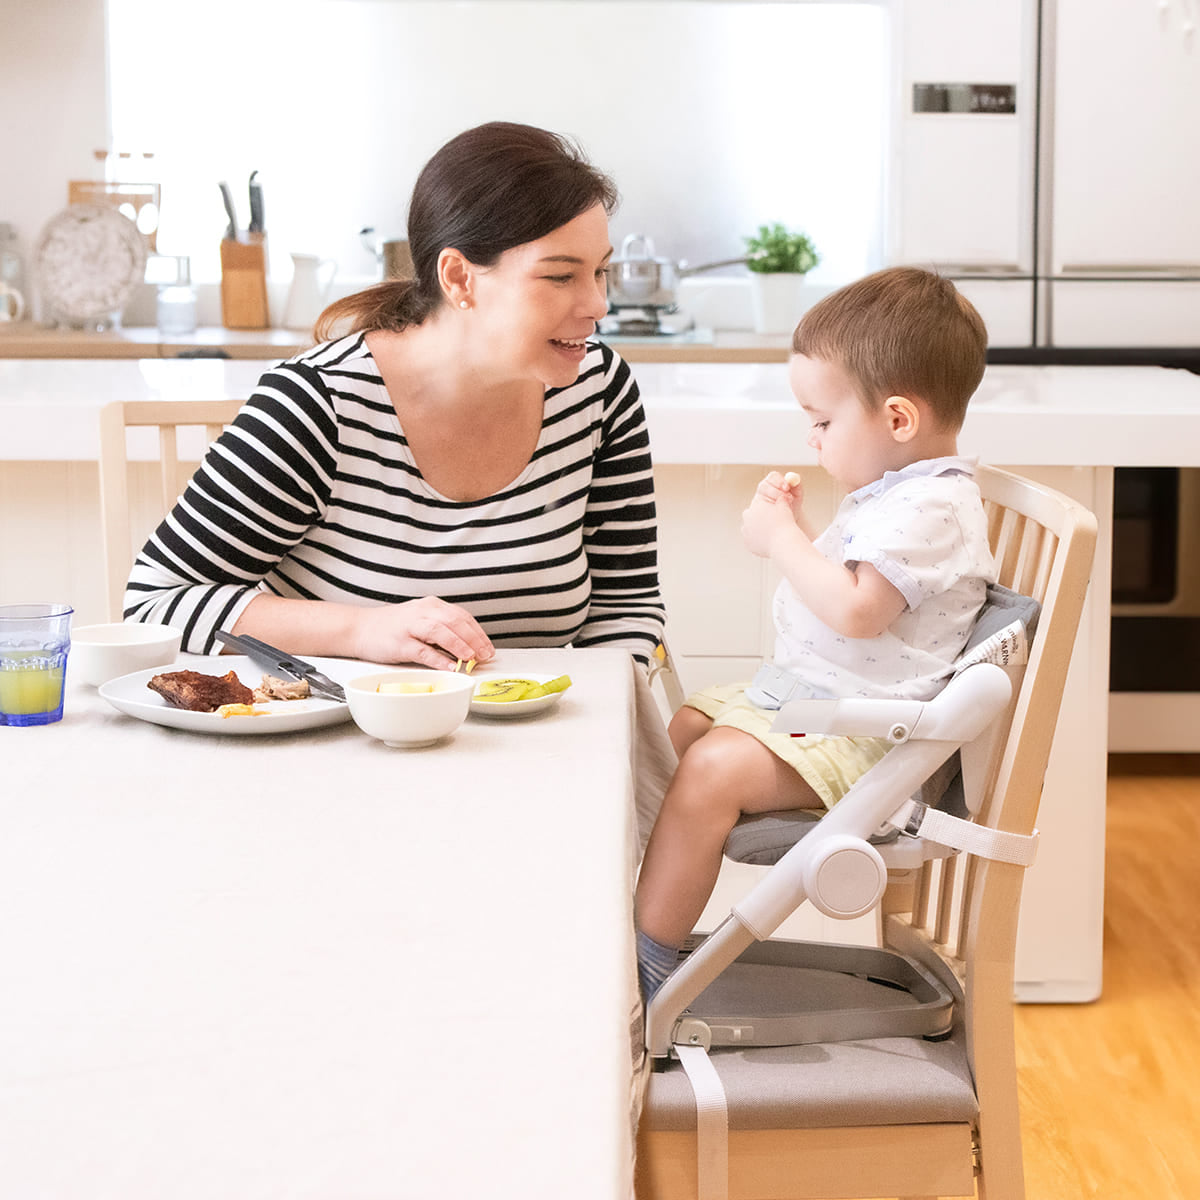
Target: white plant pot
778 302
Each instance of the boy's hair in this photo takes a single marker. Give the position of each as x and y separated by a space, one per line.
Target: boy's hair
901 332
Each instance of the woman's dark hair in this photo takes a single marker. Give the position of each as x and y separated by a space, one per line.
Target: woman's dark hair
485 191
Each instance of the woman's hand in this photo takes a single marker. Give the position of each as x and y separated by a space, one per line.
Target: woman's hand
428 631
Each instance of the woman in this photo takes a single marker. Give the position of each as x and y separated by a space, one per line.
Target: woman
462 469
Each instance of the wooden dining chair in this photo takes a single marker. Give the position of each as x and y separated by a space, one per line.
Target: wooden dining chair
121 538
907 1116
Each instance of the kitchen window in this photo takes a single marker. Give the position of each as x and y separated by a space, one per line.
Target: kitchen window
712 116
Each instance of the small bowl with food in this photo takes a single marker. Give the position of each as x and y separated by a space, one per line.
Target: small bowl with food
409 708
103 652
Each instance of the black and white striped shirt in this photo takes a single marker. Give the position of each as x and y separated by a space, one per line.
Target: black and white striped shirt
313 493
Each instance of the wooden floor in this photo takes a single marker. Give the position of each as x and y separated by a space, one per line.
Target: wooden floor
1110 1092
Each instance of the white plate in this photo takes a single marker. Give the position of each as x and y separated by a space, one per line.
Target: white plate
515 708
130 695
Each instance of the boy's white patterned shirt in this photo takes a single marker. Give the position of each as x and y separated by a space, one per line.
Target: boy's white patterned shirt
924 529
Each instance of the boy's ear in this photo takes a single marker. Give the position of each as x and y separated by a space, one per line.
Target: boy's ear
903 417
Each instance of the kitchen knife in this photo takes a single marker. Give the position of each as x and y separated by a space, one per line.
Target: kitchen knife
226 195
256 205
273 659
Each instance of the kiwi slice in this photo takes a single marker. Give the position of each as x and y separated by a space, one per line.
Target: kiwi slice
505 691
501 691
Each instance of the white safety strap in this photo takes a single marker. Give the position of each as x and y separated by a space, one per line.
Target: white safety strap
712 1123
937 826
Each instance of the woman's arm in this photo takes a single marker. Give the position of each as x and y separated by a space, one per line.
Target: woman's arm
621 532
261 488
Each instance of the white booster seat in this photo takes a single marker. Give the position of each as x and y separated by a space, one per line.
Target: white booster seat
786 1070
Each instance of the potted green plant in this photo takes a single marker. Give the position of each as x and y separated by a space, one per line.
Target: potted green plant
779 260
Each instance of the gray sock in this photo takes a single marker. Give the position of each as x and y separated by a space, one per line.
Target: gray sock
655 963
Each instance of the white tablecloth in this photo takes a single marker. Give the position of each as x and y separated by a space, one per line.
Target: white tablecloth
311 966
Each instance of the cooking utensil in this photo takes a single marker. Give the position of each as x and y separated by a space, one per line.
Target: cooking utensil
274 659
231 230
637 279
393 254
256 205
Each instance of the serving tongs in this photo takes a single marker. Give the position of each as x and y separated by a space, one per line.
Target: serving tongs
273 659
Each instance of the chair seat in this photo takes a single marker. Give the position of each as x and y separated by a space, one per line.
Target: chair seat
884 1081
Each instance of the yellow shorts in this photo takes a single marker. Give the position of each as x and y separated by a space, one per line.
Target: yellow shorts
829 765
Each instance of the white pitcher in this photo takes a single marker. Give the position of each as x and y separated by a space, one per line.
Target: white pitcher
309 292
12 303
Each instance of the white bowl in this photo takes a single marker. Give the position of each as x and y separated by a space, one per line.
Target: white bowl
410 718
103 652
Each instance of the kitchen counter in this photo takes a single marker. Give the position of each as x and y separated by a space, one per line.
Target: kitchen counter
713 428
699 413
29 340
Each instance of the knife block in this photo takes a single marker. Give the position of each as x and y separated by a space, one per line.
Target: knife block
244 282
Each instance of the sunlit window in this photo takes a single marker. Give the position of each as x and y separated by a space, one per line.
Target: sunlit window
714 117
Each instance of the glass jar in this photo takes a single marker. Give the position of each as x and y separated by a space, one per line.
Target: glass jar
177 300
12 267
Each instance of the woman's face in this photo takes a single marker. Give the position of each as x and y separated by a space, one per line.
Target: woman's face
537 306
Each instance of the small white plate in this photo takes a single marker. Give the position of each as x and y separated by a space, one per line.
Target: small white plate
130 695
515 708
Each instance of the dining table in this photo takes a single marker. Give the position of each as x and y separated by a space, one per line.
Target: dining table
310 965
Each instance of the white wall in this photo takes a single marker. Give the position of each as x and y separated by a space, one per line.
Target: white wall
54 99
712 117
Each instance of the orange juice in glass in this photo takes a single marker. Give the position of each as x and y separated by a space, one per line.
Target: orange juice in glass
34 642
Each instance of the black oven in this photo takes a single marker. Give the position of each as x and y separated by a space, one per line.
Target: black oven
1155 645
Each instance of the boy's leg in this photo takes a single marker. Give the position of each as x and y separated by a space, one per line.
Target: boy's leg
721 775
687 726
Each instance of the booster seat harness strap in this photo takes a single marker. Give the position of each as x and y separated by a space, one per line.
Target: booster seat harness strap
712 1122
919 820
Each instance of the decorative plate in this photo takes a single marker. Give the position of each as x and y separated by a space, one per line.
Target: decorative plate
89 260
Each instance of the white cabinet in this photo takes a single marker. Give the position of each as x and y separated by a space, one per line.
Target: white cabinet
962 181
1126 144
1124 247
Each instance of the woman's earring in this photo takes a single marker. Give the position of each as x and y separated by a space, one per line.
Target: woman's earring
463 304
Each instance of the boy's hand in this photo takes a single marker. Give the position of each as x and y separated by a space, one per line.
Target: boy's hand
789 488
766 521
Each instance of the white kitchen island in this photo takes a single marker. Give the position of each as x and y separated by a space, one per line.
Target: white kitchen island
714 428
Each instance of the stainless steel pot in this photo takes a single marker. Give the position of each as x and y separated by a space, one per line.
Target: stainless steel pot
637 279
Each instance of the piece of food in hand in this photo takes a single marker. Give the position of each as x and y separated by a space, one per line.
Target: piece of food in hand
274 688
792 479
505 691
200 693
405 688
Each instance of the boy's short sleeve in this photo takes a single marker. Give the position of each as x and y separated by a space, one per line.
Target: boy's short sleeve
923 536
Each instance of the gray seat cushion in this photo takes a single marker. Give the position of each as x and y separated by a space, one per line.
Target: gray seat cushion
885 1081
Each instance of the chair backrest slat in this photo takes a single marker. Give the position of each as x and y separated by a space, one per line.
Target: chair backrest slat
1043 546
119 537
